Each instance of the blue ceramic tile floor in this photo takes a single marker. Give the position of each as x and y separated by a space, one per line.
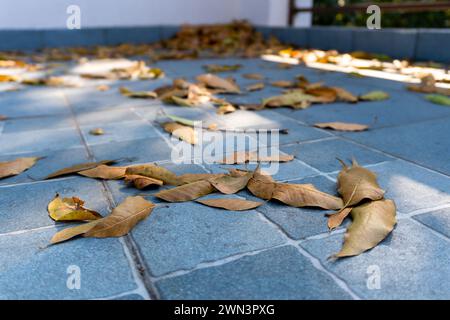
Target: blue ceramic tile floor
190 251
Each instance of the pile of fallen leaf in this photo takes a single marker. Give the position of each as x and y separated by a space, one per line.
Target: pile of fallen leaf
360 195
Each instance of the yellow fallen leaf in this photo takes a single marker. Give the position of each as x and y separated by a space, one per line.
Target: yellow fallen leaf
70 209
182 132
342 126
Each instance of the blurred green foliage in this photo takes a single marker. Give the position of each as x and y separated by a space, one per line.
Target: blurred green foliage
430 19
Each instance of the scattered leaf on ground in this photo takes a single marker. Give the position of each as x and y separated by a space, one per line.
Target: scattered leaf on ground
215 68
154 171
215 82
17 166
104 172
142 182
97 132
438 99
372 222
336 219
233 182
231 204
70 209
187 192
282 84
103 87
356 183
253 76
182 132
77 168
374 96
261 185
255 87
137 94
305 195
121 220
342 126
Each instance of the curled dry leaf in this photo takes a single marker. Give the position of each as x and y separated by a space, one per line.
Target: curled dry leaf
374 96
255 87
154 171
121 220
356 183
240 157
322 94
17 166
70 209
336 219
342 126
295 99
372 223
142 182
215 82
183 102
187 192
438 99
182 132
104 172
137 94
225 109
253 76
261 185
344 95
233 182
305 195
77 168
231 204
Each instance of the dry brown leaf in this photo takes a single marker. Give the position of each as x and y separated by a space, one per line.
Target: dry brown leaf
154 171
282 84
104 172
187 192
372 223
231 204
17 166
137 94
225 109
261 185
305 195
182 132
253 76
215 82
77 168
255 87
233 182
344 95
336 219
193 177
121 220
295 99
240 157
342 126
428 85
142 182
2 117
356 183
323 94
70 209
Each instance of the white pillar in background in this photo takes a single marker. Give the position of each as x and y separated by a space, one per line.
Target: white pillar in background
303 19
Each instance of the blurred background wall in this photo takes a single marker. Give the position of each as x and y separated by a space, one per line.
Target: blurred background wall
51 14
